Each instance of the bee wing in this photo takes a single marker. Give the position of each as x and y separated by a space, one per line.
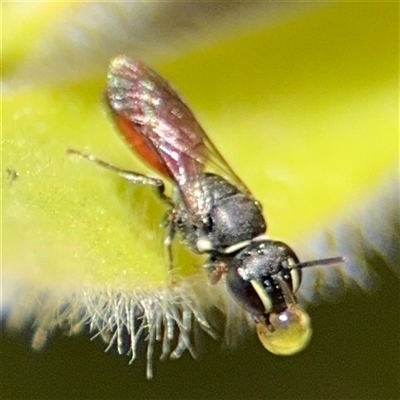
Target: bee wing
219 165
162 130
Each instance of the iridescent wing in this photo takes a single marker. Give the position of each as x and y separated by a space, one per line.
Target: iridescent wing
162 130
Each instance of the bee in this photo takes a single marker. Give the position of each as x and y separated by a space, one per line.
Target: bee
214 213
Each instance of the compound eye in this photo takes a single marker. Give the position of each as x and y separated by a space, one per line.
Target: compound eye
289 331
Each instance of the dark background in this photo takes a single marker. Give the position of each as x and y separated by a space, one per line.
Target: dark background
354 354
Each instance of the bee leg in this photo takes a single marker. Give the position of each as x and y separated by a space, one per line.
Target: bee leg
134 177
215 269
140 179
170 223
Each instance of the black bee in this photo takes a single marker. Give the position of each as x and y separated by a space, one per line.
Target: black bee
214 213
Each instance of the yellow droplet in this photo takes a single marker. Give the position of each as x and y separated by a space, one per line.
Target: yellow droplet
288 333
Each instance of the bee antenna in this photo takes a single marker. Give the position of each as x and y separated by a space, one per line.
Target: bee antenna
323 261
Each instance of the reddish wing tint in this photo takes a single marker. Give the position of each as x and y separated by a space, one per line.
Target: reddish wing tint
160 128
154 121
